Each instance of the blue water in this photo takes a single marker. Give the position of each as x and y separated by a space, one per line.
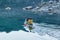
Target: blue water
12 20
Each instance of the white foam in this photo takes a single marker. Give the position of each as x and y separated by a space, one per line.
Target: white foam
49 29
21 35
8 8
